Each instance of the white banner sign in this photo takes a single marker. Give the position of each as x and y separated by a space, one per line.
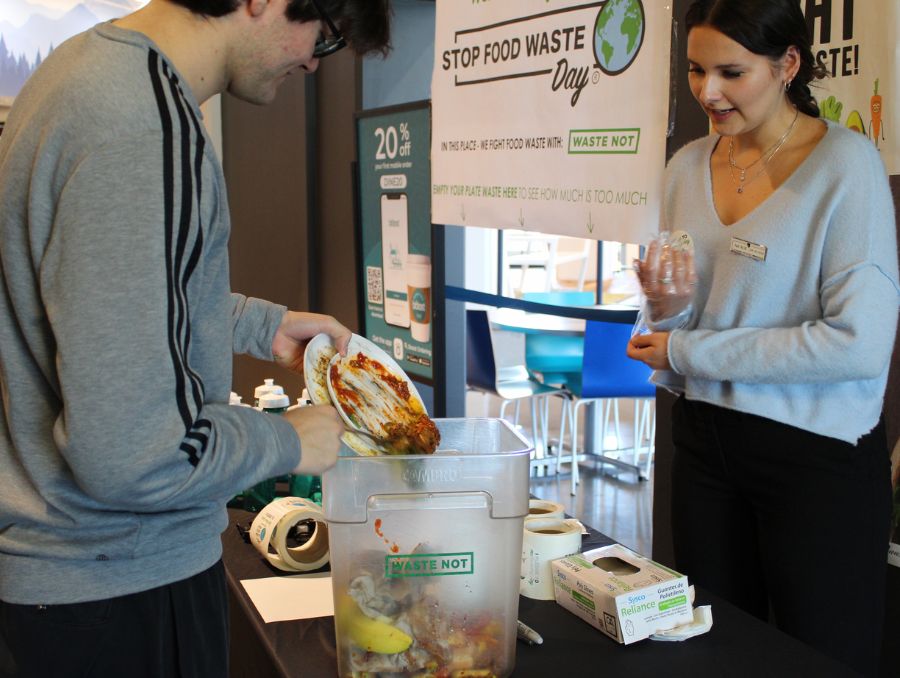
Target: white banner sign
856 41
551 117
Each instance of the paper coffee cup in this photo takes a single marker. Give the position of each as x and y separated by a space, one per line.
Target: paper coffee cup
418 284
542 508
545 540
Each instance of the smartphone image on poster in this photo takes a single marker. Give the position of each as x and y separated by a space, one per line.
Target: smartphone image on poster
394 248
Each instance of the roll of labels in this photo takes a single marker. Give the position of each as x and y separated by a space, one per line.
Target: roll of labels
286 521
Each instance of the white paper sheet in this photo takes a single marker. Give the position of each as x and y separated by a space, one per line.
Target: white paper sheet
303 596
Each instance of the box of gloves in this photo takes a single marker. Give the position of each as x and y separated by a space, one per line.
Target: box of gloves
625 595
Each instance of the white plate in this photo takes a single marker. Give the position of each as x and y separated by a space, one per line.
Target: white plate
369 402
319 352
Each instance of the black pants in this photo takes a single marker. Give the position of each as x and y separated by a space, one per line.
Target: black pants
179 630
775 518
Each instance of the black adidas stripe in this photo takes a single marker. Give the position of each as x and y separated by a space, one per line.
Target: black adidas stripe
168 203
182 276
194 453
178 273
198 242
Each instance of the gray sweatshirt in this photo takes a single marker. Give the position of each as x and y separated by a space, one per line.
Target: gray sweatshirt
118 449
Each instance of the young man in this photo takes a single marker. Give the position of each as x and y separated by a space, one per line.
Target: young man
118 449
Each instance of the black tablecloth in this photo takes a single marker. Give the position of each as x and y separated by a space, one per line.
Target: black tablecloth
738 644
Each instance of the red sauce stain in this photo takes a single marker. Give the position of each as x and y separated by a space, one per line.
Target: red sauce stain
365 364
394 547
348 398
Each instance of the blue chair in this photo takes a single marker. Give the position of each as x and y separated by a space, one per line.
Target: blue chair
608 374
512 384
556 358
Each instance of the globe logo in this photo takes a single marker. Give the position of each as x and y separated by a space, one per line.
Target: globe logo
618 35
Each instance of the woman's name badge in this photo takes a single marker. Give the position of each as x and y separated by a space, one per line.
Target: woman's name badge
748 249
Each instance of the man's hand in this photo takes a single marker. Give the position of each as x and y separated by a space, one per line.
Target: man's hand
651 349
319 428
297 329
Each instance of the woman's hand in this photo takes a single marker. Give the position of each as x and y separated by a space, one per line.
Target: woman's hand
667 279
651 349
297 329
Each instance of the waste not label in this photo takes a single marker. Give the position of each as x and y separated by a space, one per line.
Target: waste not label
429 564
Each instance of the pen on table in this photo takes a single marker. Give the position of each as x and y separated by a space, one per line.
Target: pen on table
528 634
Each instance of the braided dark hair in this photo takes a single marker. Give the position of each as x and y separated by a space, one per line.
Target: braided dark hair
767 28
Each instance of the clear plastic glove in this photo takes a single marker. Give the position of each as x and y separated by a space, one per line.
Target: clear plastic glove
668 281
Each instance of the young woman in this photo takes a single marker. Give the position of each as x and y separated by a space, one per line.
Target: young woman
781 489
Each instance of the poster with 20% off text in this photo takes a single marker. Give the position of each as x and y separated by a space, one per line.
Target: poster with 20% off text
395 219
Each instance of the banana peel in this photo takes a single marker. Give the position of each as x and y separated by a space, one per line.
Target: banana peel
371 635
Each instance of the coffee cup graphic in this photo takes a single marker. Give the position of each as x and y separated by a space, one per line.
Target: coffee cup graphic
418 283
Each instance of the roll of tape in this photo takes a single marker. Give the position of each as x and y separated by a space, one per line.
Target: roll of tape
544 540
542 508
270 528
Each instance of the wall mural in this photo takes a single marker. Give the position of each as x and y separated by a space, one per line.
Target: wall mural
30 29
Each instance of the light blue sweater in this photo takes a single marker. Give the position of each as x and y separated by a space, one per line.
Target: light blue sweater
804 337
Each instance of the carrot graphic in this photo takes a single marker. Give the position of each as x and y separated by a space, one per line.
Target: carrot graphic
875 108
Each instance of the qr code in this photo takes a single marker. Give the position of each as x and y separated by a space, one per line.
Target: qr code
374 285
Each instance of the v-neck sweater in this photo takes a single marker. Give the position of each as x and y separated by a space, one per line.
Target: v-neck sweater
805 336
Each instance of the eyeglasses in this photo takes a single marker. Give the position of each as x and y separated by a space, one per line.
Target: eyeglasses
327 44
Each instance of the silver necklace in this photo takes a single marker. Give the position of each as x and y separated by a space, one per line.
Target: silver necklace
765 158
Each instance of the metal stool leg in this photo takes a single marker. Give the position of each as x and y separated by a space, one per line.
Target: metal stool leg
536 439
563 416
575 479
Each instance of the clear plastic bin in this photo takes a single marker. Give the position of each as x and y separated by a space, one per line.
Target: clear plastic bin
426 554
